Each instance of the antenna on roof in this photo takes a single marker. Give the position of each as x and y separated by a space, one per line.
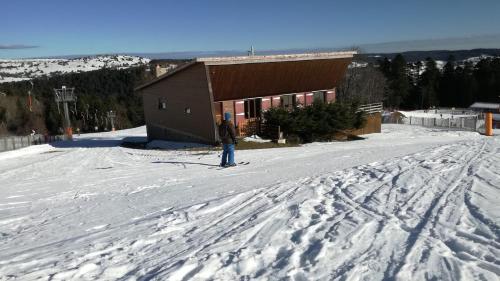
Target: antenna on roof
251 52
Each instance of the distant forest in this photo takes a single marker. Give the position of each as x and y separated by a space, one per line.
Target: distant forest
97 91
396 82
423 85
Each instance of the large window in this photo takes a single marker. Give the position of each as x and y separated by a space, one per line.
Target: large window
253 108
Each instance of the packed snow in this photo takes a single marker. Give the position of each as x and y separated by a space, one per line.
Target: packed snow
255 138
12 70
410 203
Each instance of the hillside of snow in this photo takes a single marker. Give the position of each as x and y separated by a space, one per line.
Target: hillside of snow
410 203
25 69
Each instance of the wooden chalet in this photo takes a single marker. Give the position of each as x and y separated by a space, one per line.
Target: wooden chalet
187 103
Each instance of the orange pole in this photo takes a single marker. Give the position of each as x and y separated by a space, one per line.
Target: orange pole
69 133
488 123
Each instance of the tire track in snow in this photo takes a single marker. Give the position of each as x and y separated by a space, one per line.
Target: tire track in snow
296 230
431 215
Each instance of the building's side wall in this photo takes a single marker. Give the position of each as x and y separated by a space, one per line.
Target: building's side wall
228 106
266 103
186 89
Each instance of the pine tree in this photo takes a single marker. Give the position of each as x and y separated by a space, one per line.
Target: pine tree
448 94
429 84
466 86
399 84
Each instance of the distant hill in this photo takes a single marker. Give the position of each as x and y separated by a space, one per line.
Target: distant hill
12 70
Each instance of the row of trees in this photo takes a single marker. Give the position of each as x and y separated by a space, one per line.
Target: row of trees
423 85
98 92
317 122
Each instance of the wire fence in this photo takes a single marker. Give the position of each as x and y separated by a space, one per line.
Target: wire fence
17 142
464 123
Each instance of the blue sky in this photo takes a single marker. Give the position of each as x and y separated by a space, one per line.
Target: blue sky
92 27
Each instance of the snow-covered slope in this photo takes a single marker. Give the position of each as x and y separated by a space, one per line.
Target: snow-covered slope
25 69
410 203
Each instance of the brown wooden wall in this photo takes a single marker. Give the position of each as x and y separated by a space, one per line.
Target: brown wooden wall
238 81
373 125
187 88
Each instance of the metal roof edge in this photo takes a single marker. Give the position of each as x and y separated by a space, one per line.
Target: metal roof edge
166 75
275 58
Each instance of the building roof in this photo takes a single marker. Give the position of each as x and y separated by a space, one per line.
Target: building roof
275 58
256 76
168 74
253 80
485 105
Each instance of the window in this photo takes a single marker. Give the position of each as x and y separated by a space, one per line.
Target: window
187 110
288 101
253 108
162 104
319 96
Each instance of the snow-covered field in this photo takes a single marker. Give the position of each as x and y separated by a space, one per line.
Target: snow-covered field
25 69
410 203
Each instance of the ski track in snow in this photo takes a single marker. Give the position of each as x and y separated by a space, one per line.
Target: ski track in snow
427 209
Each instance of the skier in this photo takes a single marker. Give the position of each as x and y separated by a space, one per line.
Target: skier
228 138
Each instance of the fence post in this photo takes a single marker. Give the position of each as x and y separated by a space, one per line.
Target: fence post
410 120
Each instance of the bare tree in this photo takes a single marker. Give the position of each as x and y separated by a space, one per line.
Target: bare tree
363 83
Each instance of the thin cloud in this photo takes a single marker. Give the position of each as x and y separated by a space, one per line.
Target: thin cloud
17 46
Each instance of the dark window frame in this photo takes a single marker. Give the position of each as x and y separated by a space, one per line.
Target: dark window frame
162 104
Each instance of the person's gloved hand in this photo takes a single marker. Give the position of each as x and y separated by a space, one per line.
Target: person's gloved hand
235 142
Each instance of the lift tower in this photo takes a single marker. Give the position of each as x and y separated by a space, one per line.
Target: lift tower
111 117
64 96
